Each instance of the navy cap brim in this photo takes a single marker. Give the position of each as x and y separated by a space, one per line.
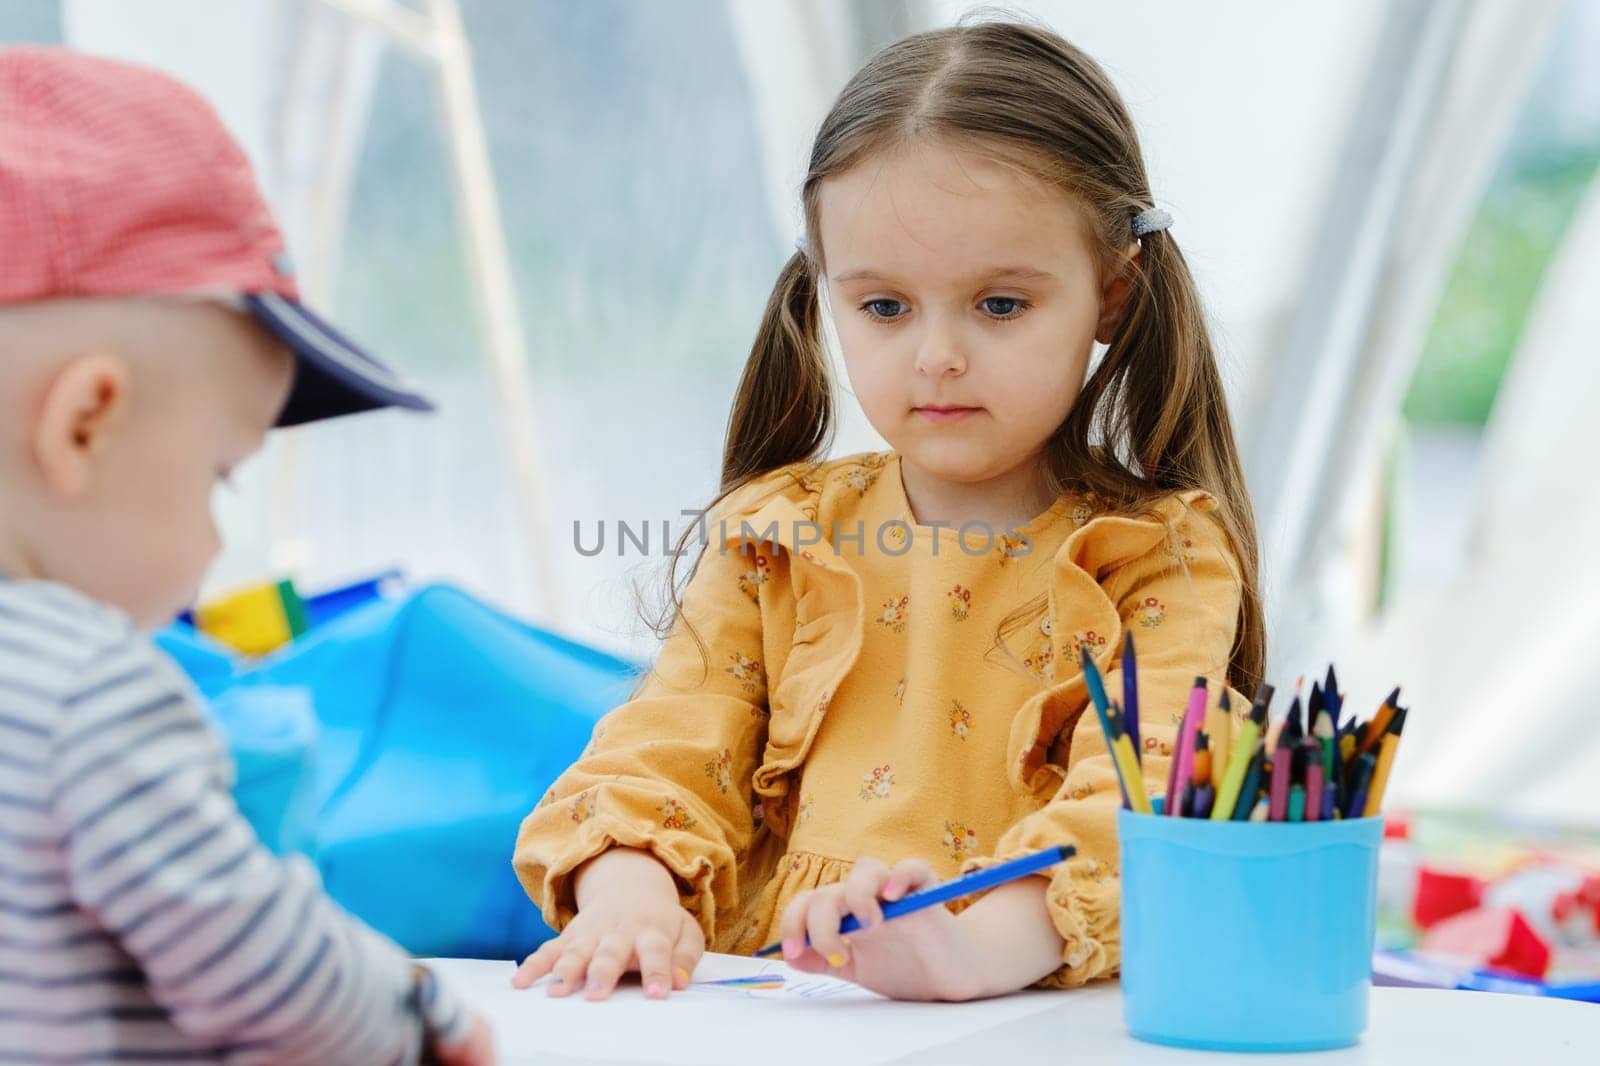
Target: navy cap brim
334 377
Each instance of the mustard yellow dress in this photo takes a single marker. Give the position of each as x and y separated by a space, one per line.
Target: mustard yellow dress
851 700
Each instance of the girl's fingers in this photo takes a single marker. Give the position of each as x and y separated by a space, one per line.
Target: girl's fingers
861 892
686 952
822 925
655 962
907 876
567 973
792 928
538 964
608 964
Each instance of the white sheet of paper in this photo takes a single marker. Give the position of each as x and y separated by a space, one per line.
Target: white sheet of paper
811 1019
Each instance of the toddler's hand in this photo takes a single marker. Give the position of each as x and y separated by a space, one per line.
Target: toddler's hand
628 919
925 955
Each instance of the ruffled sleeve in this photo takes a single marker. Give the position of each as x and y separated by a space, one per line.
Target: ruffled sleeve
1172 580
670 771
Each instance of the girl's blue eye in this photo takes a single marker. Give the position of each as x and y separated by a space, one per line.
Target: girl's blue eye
997 307
1010 307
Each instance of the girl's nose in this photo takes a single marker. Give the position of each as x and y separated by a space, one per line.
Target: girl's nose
940 354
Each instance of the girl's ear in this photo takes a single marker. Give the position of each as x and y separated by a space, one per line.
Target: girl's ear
83 408
1114 296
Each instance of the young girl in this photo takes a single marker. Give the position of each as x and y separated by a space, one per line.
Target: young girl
872 682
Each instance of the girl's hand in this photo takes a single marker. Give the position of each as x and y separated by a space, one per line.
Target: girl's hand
628 920
927 955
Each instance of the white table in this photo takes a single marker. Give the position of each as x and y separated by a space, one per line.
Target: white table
1409 1027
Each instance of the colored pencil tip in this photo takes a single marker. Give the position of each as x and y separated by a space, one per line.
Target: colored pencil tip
1199 682
1223 702
1394 697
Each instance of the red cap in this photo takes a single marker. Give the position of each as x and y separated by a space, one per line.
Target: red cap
117 180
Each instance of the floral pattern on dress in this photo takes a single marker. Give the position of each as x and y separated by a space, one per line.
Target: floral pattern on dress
720 770
751 580
960 603
860 478
675 816
1151 612
1088 639
1081 513
1011 547
894 613
1042 663
900 693
1158 746
807 806
581 809
1098 871
876 783
748 672
1080 792
960 719
960 840
1180 548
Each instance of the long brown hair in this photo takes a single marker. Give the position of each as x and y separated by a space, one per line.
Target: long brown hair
1152 418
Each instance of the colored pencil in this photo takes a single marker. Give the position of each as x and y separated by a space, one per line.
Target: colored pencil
977 881
1314 782
1380 775
1130 691
1127 763
1102 709
1244 747
1282 764
1297 804
1252 785
1373 734
1359 782
1219 727
1191 725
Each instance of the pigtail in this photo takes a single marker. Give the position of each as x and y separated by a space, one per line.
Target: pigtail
1153 418
782 414
783 411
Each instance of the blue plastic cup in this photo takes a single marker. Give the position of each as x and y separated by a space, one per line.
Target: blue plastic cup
1247 936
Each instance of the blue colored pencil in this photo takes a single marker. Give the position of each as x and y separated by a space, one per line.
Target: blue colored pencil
977 881
1130 694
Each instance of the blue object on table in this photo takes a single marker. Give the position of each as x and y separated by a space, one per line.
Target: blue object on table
440 724
1247 936
1407 970
977 881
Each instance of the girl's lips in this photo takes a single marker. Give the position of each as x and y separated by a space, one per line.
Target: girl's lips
947 414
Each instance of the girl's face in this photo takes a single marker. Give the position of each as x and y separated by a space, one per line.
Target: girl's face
967 298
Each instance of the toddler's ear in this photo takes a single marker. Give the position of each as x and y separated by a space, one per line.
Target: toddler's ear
1114 297
84 405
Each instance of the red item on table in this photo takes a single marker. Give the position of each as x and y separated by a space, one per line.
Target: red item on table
1496 938
1443 893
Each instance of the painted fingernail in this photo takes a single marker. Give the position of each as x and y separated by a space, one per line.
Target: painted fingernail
683 975
655 991
791 947
891 891
836 960
594 986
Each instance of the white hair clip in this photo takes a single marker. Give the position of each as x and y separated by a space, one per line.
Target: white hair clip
1150 221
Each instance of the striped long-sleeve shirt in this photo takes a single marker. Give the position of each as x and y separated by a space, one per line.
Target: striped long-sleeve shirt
140 918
